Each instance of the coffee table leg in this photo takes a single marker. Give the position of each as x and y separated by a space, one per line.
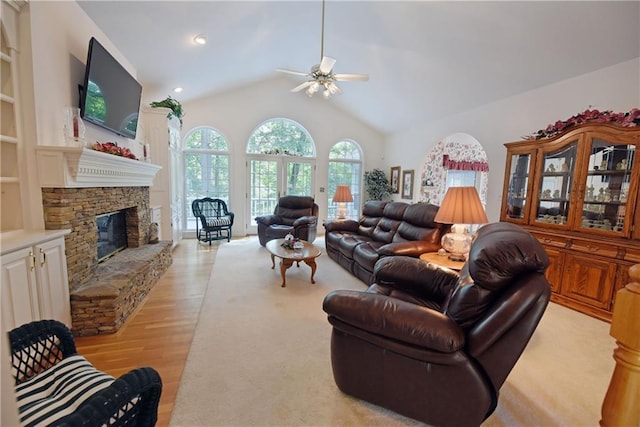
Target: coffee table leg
311 263
273 262
284 265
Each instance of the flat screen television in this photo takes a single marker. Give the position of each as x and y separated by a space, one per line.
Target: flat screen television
110 96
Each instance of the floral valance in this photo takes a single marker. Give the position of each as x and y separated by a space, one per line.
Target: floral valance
630 119
464 165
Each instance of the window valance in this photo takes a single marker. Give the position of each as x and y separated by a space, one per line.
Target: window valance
464 165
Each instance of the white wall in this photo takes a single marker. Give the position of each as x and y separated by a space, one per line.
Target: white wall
614 88
237 113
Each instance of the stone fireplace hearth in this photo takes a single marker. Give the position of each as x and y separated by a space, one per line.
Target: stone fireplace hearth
77 185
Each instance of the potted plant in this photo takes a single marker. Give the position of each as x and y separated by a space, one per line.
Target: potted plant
377 185
174 105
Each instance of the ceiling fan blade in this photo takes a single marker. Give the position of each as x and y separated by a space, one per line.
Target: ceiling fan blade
327 64
302 86
297 73
352 77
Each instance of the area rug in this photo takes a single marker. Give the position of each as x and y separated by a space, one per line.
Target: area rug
260 356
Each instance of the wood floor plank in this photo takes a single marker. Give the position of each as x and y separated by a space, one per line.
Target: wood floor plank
160 332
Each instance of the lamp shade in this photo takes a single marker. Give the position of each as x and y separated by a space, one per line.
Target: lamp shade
461 205
343 194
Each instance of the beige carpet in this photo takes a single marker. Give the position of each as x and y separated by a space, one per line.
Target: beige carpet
260 356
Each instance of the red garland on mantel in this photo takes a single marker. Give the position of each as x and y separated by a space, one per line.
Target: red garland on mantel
112 148
630 119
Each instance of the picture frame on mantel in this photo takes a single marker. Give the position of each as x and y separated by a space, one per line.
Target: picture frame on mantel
395 179
407 184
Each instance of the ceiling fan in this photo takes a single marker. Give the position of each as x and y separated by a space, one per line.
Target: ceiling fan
322 75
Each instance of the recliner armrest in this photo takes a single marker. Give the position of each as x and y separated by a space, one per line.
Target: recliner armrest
416 277
342 225
308 220
268 219
396 319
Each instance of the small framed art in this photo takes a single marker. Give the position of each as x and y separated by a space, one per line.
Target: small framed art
407 184
395 179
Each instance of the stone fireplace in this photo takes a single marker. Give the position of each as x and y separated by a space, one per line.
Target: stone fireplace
103 294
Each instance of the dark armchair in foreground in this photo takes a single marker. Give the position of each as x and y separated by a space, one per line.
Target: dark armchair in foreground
213 219
58 387
436 346
297 215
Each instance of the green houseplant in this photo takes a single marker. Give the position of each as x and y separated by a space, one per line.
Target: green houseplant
174 105
377 185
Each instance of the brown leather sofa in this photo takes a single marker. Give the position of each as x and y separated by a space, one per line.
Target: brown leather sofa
385 228
296 215
435 345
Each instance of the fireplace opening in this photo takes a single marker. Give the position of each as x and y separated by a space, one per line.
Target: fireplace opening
112 233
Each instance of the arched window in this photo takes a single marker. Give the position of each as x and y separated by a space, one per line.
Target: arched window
281 161
345 168
206 168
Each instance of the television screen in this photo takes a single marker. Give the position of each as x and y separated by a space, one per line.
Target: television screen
110 97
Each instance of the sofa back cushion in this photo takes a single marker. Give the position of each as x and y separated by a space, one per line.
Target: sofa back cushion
372 211
417 224
388 225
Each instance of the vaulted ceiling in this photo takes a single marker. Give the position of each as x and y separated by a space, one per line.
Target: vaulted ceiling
425 59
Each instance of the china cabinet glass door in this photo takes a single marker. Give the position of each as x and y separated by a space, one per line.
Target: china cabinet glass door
607 188
519 187
555 187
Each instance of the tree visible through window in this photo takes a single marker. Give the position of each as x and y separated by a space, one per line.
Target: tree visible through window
281 161
345 168
206 167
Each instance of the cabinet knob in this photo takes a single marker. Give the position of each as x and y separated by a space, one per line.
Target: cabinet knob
593 248
43 258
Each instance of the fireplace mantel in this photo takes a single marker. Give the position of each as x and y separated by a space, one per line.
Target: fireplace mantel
78 167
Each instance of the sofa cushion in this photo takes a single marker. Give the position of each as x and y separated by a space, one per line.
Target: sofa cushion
366 254
417 224
347 244
372 211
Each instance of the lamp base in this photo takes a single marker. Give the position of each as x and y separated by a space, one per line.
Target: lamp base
457 258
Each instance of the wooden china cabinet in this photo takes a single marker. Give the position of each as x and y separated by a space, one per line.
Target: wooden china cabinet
578 194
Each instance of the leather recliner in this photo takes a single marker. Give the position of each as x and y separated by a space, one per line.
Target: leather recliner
296 215
435 345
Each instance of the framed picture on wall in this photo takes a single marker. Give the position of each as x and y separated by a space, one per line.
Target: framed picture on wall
407 184
395 179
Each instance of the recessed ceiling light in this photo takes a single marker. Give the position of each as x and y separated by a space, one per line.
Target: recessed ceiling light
200 39
177 89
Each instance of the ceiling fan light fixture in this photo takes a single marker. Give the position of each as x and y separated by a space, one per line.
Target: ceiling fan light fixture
200 39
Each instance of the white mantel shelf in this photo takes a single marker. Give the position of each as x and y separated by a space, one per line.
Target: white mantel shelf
78 167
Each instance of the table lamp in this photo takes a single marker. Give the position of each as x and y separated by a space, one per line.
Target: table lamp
342 196
460 206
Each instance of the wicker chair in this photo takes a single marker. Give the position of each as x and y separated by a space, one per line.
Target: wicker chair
213 219
56 386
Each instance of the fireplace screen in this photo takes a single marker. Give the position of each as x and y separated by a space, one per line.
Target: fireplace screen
112 233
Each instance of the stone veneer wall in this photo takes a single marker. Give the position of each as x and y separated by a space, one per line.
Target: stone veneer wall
104 294
76 209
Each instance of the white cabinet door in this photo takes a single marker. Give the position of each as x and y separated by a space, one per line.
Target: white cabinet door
53 282
19 289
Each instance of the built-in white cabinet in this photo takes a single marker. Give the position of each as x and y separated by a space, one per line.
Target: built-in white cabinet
11 146
34 278
163 136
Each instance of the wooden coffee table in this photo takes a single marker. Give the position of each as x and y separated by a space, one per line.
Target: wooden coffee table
308 254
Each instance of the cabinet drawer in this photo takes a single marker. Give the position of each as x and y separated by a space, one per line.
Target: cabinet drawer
633 255
596 248
551 241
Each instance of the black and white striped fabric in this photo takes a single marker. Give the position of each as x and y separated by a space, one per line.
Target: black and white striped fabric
59 391
217 222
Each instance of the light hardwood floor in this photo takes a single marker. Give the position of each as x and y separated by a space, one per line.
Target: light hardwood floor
159 333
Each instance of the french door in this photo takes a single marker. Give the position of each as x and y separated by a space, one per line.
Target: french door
273 176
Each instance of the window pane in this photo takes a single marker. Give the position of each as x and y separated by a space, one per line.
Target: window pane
345 169
281 136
